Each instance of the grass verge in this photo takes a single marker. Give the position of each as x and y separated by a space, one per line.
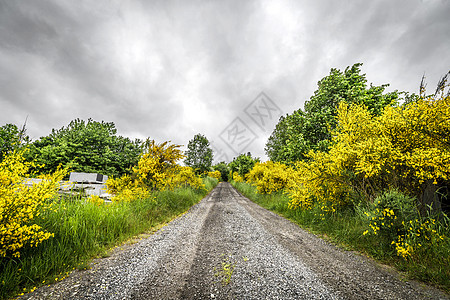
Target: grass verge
430 263
84 230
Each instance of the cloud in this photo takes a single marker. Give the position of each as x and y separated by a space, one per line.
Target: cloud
171 69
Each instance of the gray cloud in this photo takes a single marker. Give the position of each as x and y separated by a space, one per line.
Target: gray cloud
171 69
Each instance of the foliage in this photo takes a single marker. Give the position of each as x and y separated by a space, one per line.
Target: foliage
269 177
157 164
296 134
405 148
222 167
185 176
209 183
242 164
91 147
395 219
12 138
157 169
20 205
83 230
288 142
199 154
389 212
428 237
125 189
237 177
215 174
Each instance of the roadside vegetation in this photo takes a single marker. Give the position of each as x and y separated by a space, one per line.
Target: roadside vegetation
346 229
44 235
367 170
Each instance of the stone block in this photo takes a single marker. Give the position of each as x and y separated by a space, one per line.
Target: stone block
87 177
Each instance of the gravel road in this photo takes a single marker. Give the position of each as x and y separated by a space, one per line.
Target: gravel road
227 247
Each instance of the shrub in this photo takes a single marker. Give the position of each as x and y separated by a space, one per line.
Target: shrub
389 212
404 148
185 176
237 177
269 177
215 174
20 205
394 217
157 169
157 164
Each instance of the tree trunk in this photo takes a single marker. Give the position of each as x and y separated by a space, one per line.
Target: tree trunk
429 199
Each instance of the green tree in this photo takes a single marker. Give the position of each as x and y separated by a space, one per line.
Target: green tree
298 133
199 155
12 138
243 164
222 167
88 146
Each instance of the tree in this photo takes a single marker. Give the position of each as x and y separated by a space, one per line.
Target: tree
86 147
199 155
242 164
289 141
296 134
222 167
12 138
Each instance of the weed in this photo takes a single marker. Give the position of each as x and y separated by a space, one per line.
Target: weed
225 271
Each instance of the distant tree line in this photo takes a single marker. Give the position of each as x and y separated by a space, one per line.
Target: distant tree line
81 146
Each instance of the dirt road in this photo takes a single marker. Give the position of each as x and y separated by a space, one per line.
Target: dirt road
227 247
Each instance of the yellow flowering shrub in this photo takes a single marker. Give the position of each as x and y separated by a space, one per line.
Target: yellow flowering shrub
131 193
419 233
157 164
403 248
157 169
388 213
420 135
184 176
94 199
126 189
269 177
238 178
318 180
20 205
117 185
214 174
402 148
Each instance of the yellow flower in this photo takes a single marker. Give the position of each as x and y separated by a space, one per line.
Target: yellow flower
17 228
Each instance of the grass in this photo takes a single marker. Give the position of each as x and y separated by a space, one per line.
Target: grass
84 230
429 264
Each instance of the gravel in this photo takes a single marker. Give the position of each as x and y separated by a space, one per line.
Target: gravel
227 247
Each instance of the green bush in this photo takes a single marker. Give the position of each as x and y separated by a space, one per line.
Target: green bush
389 213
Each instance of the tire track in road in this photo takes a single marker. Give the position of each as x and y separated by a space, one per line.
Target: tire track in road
349 274
270 258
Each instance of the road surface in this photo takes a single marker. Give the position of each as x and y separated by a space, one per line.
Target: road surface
227 247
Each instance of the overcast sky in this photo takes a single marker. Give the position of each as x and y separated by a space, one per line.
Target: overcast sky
227 69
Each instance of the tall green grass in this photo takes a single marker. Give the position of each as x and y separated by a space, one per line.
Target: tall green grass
345 228
84 230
